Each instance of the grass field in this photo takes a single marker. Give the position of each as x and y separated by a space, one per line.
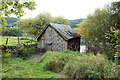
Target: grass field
14 40
18 68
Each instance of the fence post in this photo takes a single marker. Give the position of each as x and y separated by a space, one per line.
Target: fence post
26 40
18 40
31 41
6 41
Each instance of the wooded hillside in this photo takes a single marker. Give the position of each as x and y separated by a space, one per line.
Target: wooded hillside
74 22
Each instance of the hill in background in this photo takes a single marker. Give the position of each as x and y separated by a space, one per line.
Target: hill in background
11 21
74 22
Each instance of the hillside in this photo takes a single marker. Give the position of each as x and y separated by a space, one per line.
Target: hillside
74 22
11 21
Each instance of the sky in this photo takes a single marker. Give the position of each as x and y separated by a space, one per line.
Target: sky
70 9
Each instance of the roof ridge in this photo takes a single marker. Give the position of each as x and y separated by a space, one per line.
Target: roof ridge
58 23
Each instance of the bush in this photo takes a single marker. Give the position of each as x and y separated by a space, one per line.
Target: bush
6 54
76 65
12 31
55 66
90 66
26 52
55 61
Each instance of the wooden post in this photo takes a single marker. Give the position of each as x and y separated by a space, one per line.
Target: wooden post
26 39
31 41
6 41
18 40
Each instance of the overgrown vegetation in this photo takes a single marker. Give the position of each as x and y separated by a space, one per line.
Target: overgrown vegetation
90 66
19 68
21 52
76 65
70 64
55 61
25 49
113 35
26 52
101 30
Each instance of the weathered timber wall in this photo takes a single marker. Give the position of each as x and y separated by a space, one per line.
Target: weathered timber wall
74 44
51 40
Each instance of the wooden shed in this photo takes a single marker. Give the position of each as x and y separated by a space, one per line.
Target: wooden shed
58 37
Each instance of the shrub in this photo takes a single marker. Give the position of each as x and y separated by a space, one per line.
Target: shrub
26 52
55 66
76 65
89 66
5 54
55 61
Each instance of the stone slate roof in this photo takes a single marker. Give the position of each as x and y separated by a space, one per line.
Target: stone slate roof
65 31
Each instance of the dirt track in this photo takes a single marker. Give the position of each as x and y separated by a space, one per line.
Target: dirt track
35 58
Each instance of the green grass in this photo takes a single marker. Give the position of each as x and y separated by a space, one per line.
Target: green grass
18 68
14 40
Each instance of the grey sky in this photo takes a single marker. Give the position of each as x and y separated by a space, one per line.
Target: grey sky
70 9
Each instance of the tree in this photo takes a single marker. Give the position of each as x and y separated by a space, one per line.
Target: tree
12 31
15 8
80 30
93 31
114 33
34 26
104 22
60 20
